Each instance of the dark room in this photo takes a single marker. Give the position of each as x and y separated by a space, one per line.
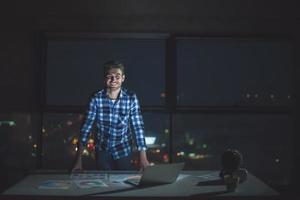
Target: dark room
149 99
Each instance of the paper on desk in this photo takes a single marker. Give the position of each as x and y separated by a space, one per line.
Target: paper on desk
84 176
86 184
182 176
122 177
55 184
209 176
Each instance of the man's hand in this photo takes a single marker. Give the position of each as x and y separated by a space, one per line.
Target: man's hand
143 160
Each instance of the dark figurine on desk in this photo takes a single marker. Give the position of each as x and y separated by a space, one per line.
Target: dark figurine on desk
231 173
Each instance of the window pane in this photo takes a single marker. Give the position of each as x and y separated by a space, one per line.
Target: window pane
18 147
157 137
264 140
233 72
60 134
74 68
60 137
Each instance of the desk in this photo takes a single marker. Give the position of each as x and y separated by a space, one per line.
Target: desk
190 185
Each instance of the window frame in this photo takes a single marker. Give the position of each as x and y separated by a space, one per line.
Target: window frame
171 108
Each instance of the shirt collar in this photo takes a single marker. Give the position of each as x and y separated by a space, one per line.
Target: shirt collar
121 94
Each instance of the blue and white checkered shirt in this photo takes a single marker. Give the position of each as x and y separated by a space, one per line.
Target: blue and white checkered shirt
112 120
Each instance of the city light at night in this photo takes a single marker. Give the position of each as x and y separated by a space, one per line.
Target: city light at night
74 141
150 140
85 152
91 141
181 153
9 123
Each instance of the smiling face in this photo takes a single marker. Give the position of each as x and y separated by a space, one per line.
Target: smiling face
114 79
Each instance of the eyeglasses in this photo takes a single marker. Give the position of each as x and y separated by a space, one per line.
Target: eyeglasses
116 77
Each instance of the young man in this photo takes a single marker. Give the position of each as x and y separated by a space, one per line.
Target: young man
112 109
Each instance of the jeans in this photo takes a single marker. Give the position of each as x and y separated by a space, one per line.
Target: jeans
106 162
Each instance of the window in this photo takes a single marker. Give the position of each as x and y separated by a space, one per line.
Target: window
60 137
217 90
233 72
18 146
263 139
74 68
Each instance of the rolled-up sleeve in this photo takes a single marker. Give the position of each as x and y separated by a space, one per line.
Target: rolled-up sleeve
88 122
137 124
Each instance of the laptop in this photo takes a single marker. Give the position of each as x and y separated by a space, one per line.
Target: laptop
157 175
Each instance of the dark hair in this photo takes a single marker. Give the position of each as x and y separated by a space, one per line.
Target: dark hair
114 64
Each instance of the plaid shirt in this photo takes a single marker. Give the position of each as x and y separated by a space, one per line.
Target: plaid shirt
112 120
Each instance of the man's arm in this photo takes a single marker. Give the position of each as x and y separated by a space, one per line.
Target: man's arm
143 159
138 126
84 133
